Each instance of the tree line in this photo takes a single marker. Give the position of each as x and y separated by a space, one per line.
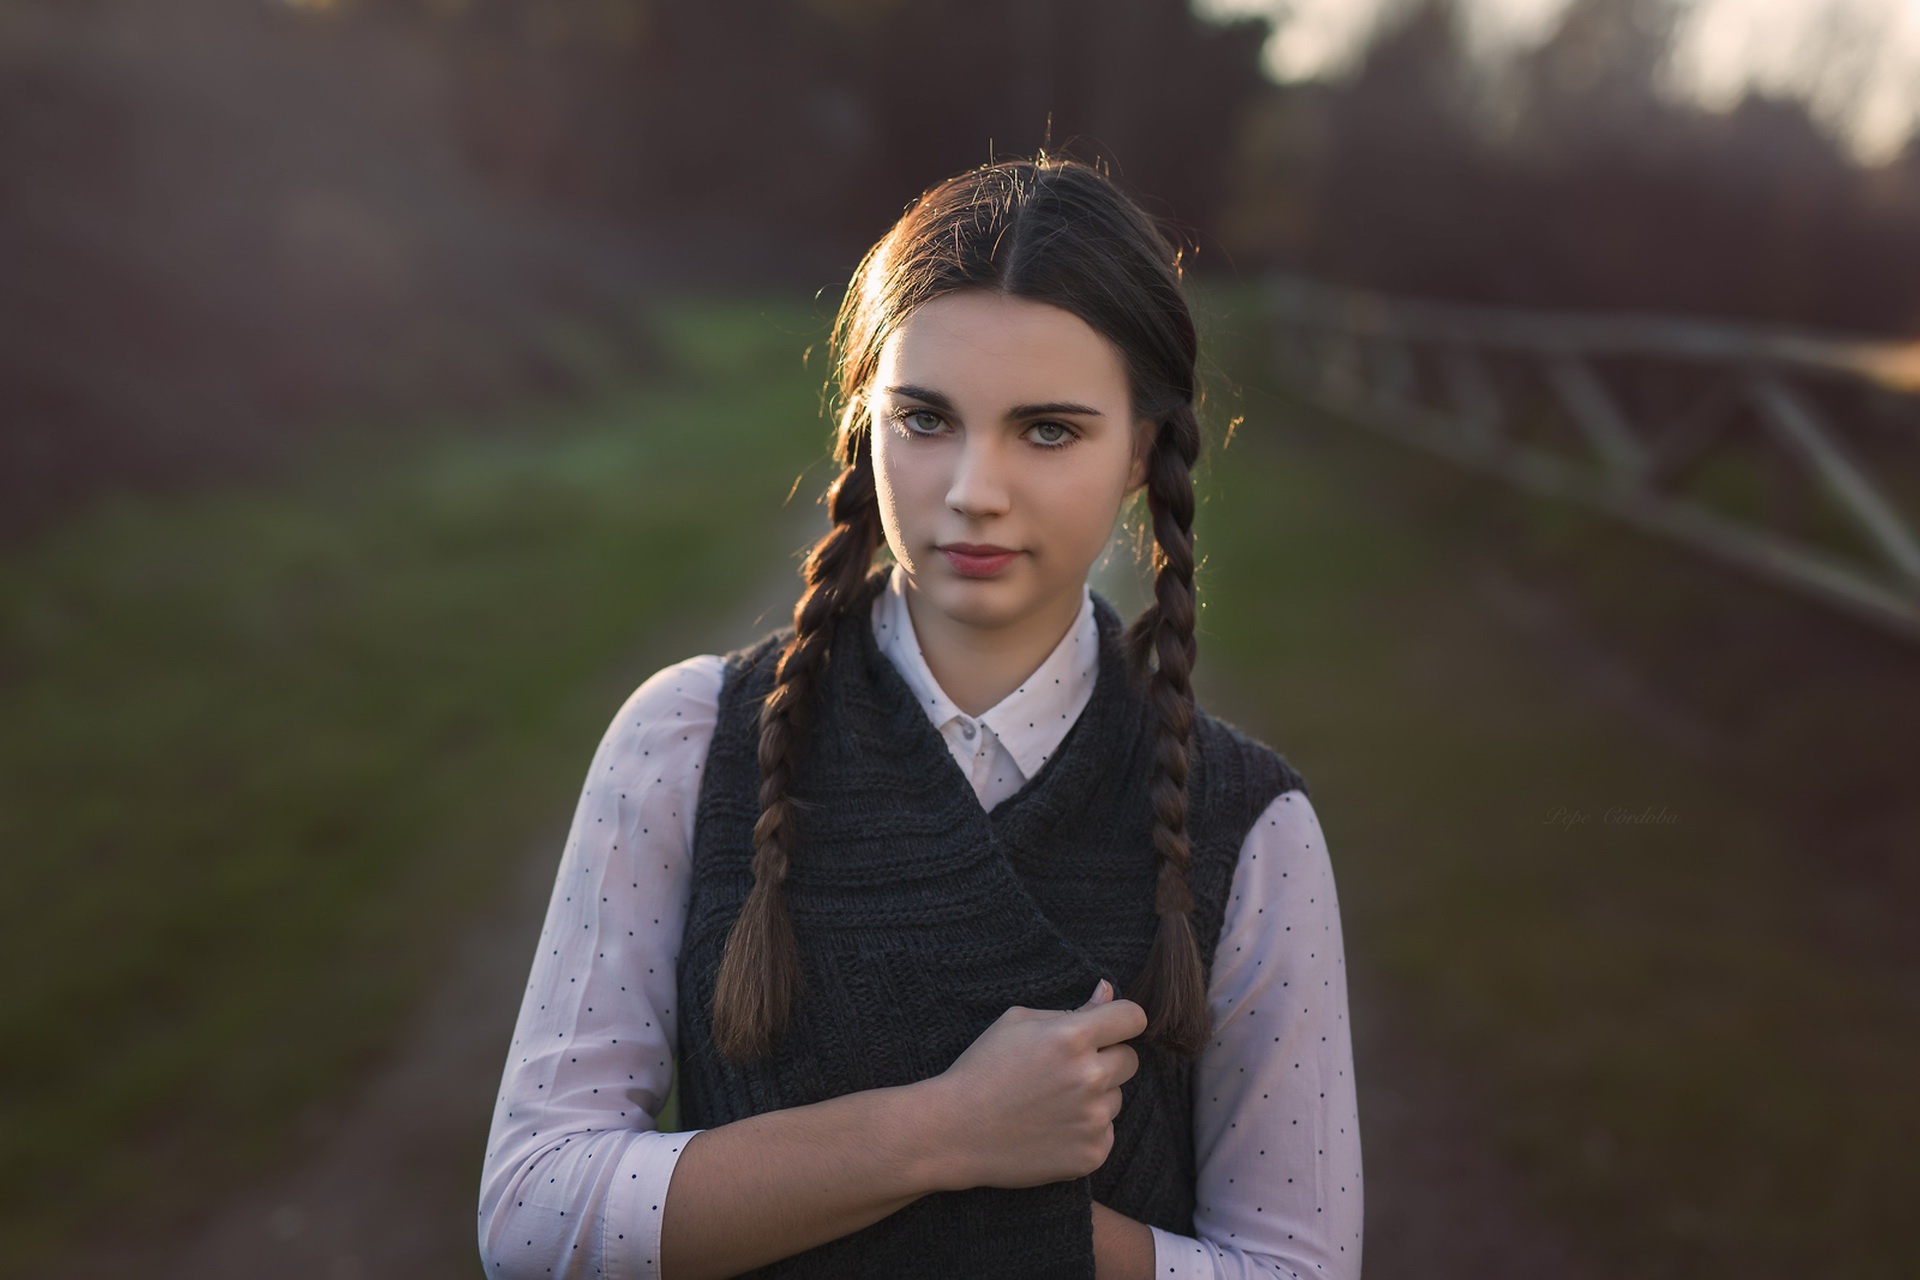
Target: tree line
230 222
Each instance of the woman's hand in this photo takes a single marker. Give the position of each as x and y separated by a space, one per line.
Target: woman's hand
1032 1100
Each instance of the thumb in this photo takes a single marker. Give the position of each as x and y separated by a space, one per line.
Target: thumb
1102 994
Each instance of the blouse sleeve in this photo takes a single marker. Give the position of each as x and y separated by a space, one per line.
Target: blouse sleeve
575 1171
1276 1125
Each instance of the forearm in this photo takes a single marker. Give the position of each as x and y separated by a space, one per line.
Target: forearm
1030 1101
769 1186
1122 1247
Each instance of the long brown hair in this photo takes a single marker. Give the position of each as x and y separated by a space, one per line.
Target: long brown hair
1050 230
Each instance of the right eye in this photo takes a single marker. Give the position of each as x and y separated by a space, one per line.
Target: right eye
919 422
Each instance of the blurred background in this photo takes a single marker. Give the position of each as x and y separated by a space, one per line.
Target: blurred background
387 387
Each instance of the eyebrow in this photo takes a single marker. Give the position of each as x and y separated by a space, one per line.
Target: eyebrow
939 401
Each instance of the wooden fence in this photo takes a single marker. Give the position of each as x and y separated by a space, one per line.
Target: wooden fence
1793 456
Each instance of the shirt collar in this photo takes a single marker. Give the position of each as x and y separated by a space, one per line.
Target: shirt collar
1031 721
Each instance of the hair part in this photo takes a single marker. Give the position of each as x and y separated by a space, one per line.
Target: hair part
1048 230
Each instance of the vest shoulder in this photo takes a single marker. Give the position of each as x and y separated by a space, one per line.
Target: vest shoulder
756 651
755 661
1233 753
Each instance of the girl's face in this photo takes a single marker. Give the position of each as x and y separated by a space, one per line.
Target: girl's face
1003 445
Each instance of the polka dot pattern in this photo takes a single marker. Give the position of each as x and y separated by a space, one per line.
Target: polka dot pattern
576 1174
1276 1119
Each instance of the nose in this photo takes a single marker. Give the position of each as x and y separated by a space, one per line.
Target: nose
979 483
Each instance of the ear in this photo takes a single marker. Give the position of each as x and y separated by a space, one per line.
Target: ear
1145 432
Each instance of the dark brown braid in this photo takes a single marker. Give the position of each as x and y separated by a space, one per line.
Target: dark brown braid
760 970
1170 985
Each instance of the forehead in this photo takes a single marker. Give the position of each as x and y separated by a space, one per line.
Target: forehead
984 343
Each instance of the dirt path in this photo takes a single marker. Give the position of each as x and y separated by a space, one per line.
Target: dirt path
1440 1203
390 1190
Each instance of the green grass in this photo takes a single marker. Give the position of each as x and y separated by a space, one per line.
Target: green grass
261 750
1687 1079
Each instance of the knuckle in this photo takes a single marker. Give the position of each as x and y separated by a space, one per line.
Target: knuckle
1102 1145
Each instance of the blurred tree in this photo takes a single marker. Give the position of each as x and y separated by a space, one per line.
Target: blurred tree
804 125
820 120
1569 177
227 223
1599 73
239 219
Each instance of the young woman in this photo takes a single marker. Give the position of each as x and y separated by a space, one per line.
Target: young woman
981 950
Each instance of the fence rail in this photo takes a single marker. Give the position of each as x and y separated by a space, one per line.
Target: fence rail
1792 456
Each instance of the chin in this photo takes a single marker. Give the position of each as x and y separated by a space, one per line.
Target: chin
985 603
972 601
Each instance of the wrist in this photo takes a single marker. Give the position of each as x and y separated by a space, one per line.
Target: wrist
934 1150
1123 1248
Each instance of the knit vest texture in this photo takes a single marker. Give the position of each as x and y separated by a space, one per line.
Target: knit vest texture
921 918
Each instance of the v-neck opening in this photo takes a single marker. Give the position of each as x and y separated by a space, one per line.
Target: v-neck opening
1107 705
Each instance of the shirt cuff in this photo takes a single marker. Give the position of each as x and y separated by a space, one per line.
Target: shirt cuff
631 1245
1177 1257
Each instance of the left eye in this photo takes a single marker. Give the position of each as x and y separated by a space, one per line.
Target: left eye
1051 433
919 421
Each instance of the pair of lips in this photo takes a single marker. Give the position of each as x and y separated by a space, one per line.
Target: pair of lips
976 559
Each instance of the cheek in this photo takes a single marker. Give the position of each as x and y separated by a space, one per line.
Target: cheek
890 492
911 470
1085 506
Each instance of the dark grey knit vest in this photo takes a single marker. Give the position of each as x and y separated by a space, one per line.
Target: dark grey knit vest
921 918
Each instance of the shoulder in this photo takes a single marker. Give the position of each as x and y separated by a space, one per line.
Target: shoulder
749 671
1285 903
1283 891
1289 826
1233 781
753 663
672 707
687 685
1237 770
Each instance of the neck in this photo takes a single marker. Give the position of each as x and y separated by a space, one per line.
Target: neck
979 667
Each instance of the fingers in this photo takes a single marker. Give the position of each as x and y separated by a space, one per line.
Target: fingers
1121 1063
1111 1022
1103 1020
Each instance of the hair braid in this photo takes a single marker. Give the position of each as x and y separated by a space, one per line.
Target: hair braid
759 976
1170 986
